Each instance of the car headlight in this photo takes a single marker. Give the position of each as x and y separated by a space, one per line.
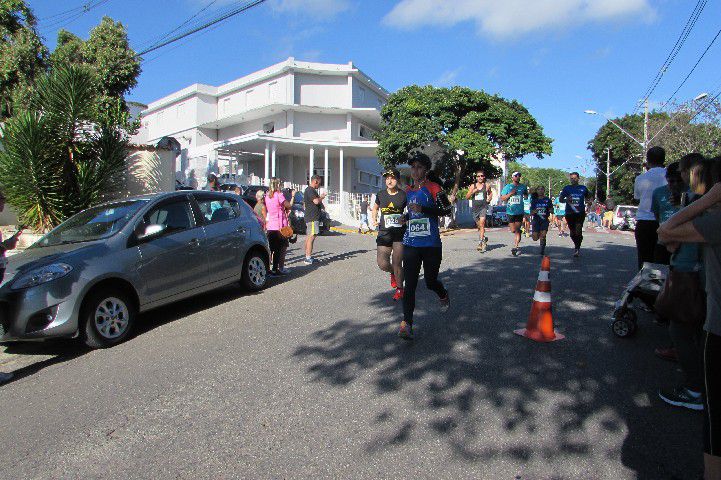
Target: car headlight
41 275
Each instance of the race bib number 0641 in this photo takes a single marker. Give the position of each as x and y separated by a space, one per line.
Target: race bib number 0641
419 227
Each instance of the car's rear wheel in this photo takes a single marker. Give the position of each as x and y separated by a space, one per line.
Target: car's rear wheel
255 271
108 318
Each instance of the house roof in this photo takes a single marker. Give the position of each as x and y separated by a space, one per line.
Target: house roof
268 72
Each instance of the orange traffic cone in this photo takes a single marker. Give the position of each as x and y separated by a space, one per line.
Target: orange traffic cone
540 320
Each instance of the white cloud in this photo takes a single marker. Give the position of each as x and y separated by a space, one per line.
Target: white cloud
323 8
447 78
512 18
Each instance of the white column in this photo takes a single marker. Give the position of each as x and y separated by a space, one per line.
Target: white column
272 160
342 171
266 175
325 170
311 163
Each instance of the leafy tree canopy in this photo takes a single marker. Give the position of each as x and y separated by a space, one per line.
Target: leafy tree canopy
22 56
687 133
63 154
480 125
539 177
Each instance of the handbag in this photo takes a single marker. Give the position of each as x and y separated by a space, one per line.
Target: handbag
287 231
682 298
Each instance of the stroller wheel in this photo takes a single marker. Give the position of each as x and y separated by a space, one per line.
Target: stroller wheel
624 323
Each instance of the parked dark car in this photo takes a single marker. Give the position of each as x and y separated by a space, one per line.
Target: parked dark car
297 217
250 192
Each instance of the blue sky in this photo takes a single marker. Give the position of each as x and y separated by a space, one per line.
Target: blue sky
558 57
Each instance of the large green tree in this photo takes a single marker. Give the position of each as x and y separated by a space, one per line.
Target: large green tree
686 133
539 177
107 50
458 119
22 54
61 155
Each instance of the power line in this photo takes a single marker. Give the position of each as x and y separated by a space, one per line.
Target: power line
185 22
680 41
694 68
69 16
210 23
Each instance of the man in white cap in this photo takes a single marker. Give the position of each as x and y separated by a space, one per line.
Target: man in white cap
513 194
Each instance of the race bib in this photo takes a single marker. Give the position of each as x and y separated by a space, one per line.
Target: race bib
480 196
541 211
419 227
514 200
392 220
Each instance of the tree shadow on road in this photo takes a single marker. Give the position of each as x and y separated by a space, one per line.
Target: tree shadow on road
583 407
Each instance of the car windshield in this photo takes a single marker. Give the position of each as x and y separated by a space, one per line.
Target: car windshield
92 224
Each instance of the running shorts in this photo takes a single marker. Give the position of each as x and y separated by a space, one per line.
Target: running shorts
313 228
515 218
539 224
386 238
479 213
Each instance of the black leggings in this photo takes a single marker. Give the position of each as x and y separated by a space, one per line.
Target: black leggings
575 227
277 243
413 257
712 404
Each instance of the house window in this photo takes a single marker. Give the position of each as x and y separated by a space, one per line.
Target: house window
367 178
366 132
361 94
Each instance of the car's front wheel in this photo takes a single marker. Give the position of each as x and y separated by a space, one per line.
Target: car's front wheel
255 271
108 318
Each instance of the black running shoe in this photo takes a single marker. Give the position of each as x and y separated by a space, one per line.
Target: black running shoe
681 397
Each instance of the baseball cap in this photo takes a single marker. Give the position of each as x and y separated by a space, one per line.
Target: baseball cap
422 158
516 174
392 172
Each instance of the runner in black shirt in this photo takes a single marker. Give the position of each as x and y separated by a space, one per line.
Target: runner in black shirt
391 202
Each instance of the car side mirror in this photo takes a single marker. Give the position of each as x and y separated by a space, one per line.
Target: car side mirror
150 231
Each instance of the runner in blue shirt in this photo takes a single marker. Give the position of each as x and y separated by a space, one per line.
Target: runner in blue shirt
541 209
559 212
422 240
527 227
513 194
575 196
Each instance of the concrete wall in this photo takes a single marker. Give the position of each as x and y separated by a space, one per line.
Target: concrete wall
254 126
273 90
320 126
364 96
149 171
322 90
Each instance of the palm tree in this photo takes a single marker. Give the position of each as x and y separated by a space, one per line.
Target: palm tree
65 153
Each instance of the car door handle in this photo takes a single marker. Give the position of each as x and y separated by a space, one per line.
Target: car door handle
194 242
241 229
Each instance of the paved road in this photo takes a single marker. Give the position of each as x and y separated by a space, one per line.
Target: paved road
308 380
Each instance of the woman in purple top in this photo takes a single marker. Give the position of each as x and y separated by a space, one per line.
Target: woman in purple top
277 207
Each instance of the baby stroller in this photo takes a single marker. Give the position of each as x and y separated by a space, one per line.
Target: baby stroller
645 286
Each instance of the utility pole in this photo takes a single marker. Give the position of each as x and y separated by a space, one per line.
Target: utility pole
549 186
645 131
608 173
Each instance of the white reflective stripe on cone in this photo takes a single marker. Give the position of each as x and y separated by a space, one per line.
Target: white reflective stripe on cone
544 297
544 276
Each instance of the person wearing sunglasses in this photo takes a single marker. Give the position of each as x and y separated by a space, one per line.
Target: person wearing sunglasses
480 194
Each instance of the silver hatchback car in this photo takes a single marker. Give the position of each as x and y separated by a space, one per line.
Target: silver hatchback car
93 274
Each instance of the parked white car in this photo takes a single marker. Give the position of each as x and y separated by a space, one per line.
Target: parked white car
624 217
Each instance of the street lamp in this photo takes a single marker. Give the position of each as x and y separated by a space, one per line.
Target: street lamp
646 141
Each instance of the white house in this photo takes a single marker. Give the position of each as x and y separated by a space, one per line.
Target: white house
289 120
